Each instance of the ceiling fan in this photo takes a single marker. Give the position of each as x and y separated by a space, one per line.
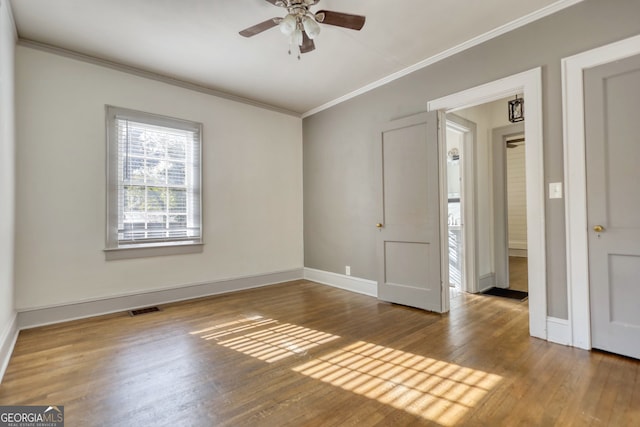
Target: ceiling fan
301 25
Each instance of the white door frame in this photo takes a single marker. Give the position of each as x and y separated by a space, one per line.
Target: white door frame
468 200
499 137
529 83
575 180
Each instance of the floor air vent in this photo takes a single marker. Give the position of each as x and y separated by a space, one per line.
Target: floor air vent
140 311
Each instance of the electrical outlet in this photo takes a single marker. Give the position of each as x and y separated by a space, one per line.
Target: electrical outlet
347 270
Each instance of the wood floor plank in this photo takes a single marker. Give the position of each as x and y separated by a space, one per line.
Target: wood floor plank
300 353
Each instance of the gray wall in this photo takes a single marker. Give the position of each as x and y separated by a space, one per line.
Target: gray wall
339 187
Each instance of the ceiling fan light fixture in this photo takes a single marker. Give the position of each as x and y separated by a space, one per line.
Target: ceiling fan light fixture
301 25
296 37
311 27
288 25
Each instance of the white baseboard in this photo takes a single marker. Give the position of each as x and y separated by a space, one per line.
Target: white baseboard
517 252
518 244
40 316
486 281
8 339
558 331
349 283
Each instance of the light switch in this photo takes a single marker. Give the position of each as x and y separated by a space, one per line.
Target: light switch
555 190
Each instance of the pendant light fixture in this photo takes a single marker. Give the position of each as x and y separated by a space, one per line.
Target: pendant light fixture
516 110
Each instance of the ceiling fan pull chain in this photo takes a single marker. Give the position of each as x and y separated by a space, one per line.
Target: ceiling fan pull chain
294 48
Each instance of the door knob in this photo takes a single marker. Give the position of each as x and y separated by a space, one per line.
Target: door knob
598 228
379 225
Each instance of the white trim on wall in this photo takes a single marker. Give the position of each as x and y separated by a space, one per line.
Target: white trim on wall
44 47
9 333
575 180
529 83
518 244
469 199
8 339
521 253
341 281
486 282
558 331
14 29
496 32
33 317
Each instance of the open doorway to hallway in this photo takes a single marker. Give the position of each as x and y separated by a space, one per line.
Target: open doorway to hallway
516 205
486 174
529 84
454 144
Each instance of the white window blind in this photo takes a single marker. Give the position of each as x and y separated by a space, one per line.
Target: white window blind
154 180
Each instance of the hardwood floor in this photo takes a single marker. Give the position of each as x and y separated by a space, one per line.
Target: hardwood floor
301 353
518 274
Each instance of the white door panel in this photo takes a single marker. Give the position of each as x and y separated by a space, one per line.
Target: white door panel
408 241
612 102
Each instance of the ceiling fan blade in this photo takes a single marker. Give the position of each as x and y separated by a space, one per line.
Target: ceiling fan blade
258 28
307 44
346 20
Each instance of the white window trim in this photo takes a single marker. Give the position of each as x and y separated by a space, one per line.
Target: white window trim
113 249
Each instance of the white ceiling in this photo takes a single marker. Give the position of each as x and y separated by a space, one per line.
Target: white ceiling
197 41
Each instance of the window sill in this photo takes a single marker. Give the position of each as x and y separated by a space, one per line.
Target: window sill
146 251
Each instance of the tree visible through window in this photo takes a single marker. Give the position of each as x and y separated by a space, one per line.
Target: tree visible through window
154 179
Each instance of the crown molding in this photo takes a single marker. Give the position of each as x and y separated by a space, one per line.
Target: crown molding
11 18
503 29
149 75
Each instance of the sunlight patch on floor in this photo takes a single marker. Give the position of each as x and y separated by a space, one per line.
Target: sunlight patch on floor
234 327
265 339
432 389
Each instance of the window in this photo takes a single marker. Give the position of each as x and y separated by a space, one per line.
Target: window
153 179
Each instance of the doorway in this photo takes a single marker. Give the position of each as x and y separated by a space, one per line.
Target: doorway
515 157
529 83
510 208
460 140
496 194
454 144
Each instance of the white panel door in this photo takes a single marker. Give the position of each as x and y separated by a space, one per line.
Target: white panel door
408 244
612 105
